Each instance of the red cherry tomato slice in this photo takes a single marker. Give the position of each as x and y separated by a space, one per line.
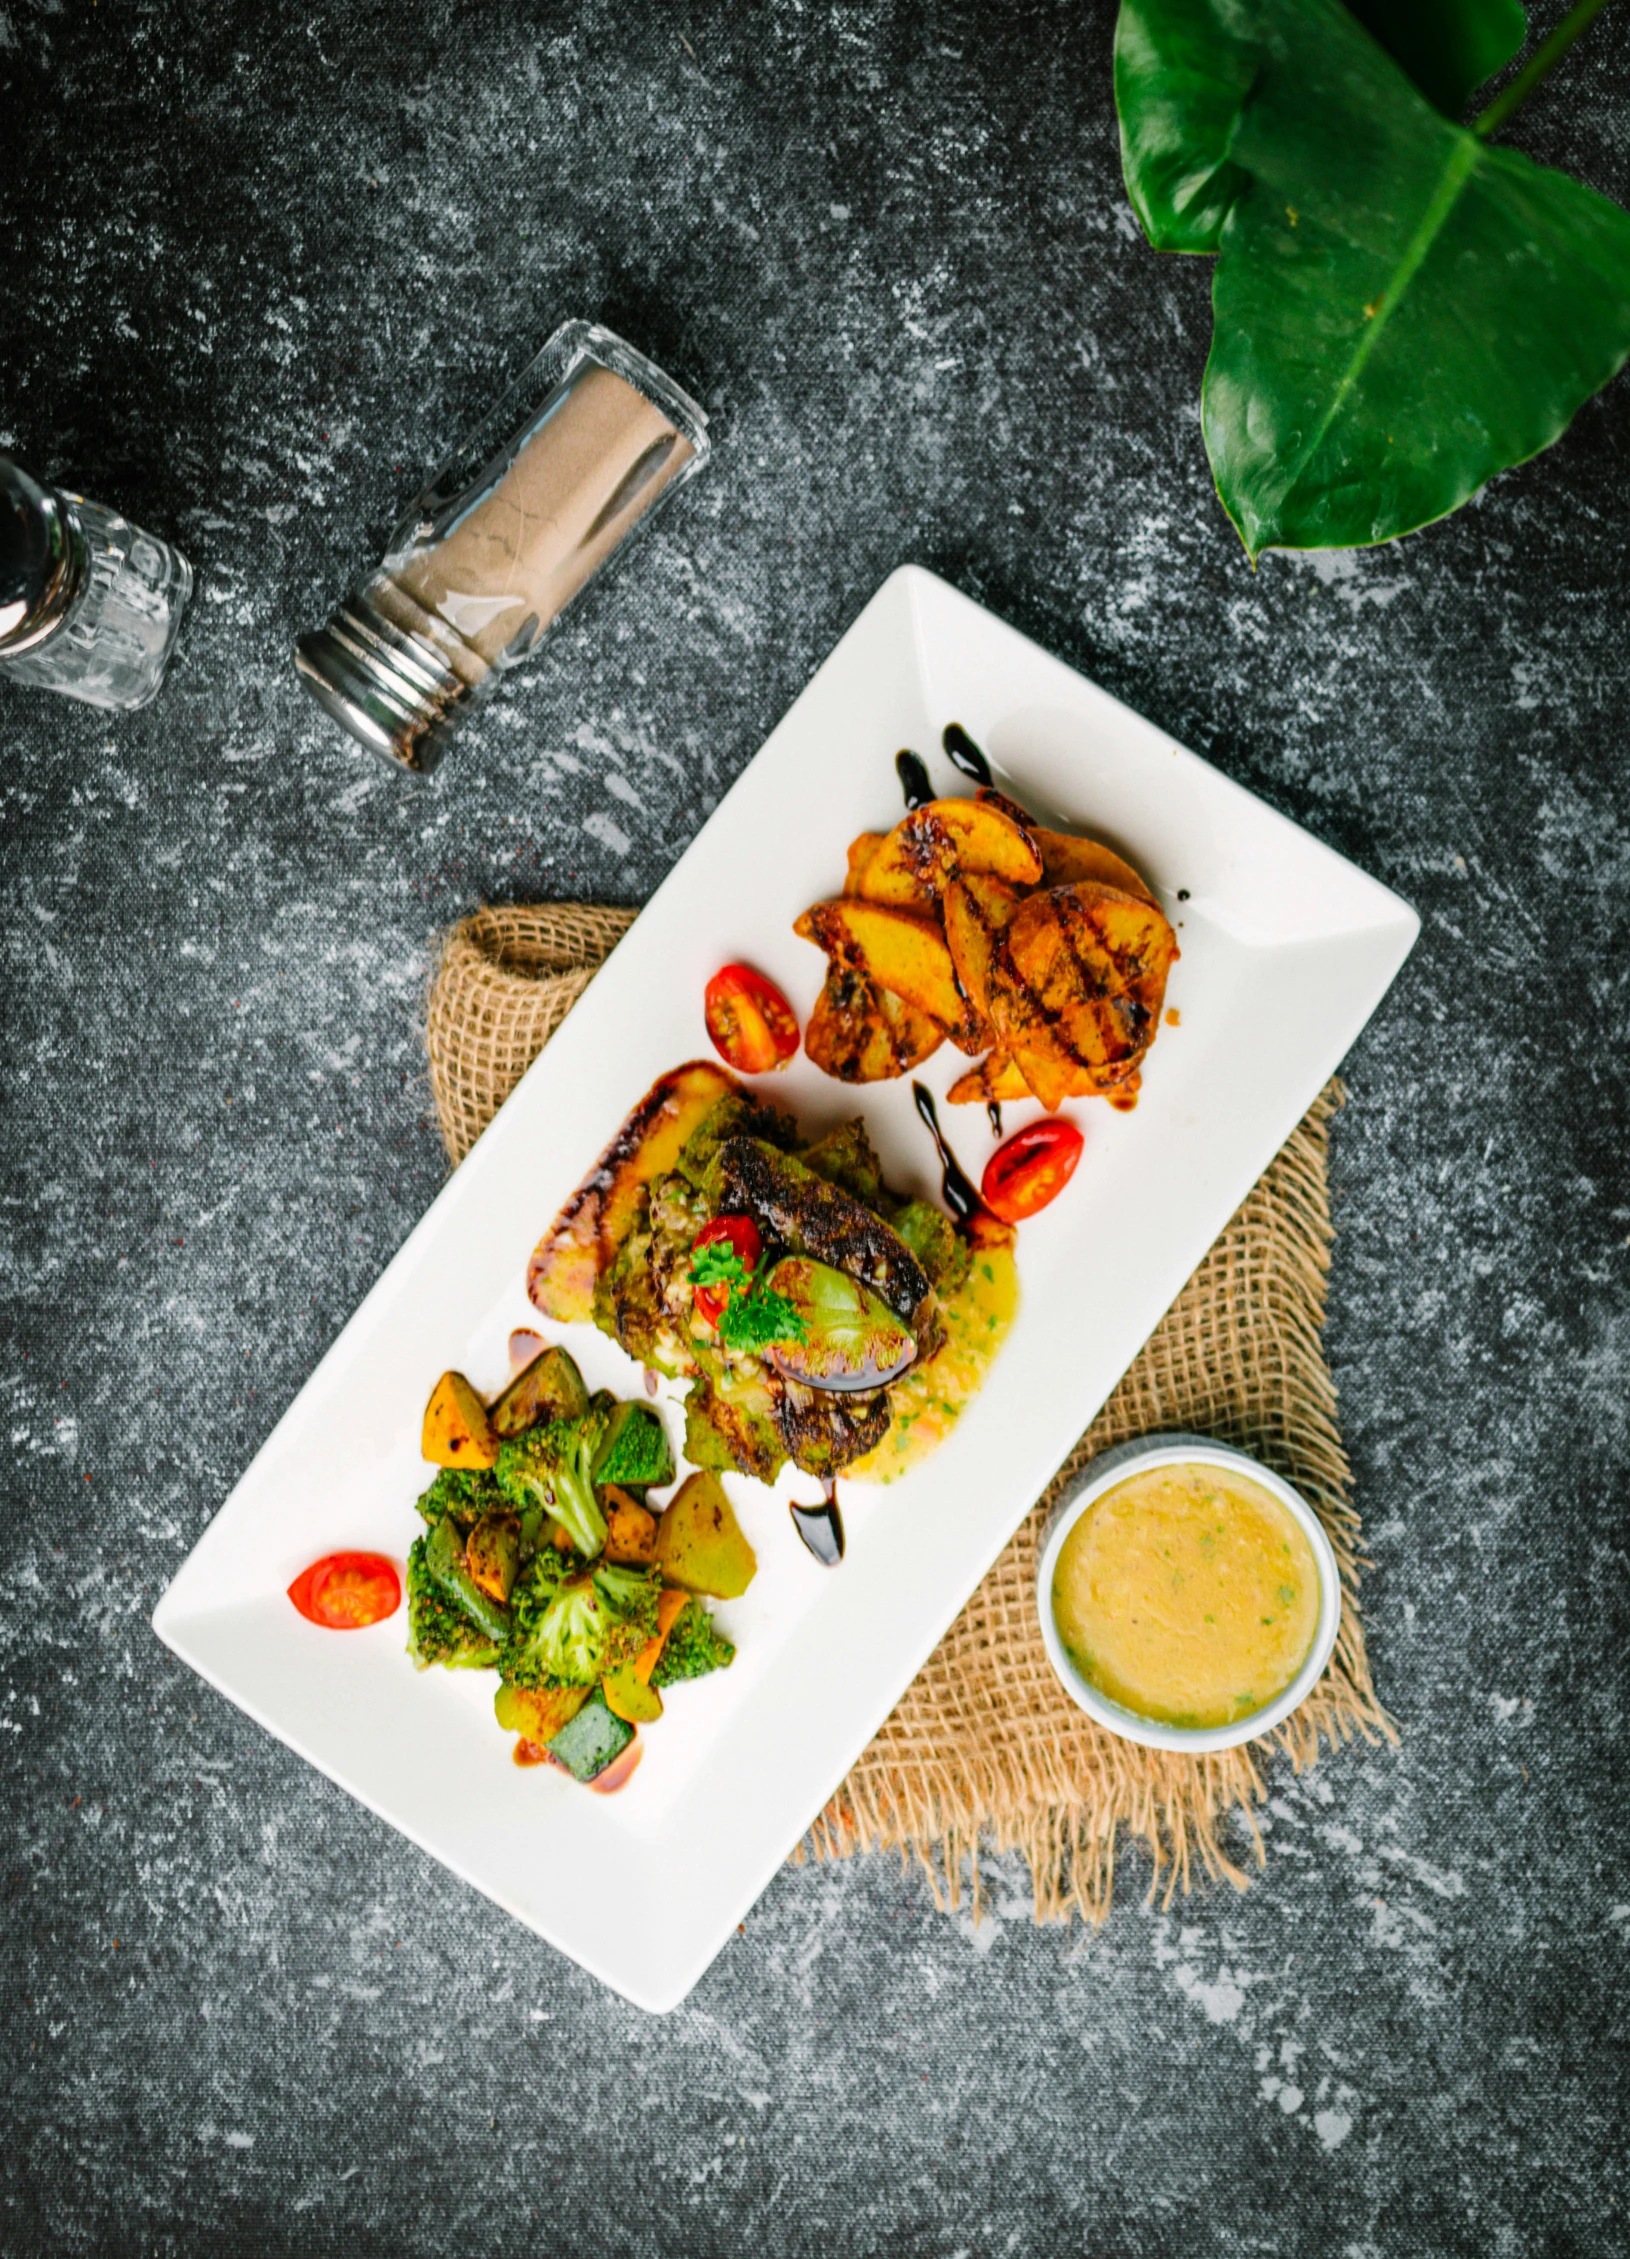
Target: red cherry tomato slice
742 1235
347 1591
749 1021
1030 1170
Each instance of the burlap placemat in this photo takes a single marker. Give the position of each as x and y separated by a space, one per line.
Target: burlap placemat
985 1747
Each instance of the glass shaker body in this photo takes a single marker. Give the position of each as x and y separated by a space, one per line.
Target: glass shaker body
90 605
574 459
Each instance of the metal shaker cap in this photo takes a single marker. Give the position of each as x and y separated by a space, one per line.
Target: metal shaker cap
41 560
392 692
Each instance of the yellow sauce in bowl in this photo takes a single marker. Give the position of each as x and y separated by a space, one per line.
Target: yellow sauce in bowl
1188 1594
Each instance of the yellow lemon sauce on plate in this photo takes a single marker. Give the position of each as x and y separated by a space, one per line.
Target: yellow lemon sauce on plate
1188 1595
925 1406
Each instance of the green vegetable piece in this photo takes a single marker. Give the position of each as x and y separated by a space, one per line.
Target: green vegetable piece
492 1554
465 1493
846 1157
1401 312
549 1472
694 1647
738 1114
550 1388
570 1629
592 1740
439 1630
847 1338
731 1419
634 1450
1448 47
444 1558
700 1544
936 1243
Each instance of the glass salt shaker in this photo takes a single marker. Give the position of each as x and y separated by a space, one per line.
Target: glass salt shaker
89 604
575 459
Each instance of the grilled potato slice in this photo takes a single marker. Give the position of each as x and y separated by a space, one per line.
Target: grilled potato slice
993 1082
1000 1079
943 840
860 1033
1079 985
1065 860
861 850
902 952
978 912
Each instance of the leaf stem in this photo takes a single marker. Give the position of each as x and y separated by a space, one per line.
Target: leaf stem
1539 65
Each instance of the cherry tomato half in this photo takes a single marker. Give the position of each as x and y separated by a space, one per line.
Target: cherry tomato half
346 1591
749 1021
1030 1170
741 1233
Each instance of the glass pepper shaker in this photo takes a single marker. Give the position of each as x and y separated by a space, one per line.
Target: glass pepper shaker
89 604
575 458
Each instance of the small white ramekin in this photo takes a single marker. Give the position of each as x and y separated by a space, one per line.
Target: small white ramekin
1173 1450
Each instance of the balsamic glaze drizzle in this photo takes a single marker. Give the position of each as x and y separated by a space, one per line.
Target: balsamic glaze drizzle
956 1188
821 1527
993 1114
962 753
913 774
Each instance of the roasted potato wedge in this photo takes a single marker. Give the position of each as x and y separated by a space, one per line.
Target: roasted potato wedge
631 1529
586 1234
538 1712
1065 860
902 952
493 1554
700 1545
860 1033
943 840
861 851
457 1432
1080 985
993 1082
1021 816
1001 1079
978 912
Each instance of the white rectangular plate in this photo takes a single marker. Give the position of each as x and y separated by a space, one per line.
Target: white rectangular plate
1286 951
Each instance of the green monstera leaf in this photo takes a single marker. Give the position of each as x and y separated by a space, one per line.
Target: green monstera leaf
1448 47
1182 75
1400 311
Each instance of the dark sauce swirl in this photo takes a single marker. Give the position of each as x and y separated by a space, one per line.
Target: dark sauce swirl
821 1527
962 753
957 1188
913 774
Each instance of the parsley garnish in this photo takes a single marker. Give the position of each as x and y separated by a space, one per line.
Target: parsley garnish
718 1264
753 1317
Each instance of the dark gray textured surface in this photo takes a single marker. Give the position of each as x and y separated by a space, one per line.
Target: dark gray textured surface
290 258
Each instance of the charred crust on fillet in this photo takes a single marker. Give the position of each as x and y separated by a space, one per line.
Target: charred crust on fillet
793 1206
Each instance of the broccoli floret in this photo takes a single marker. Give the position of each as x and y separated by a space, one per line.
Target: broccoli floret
571 1629
465 1493
550 1470
634 1449
438 1629
692 1648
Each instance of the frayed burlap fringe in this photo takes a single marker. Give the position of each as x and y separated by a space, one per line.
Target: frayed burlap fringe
985 1750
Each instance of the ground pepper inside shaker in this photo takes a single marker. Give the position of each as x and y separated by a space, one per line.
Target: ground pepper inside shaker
572 461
